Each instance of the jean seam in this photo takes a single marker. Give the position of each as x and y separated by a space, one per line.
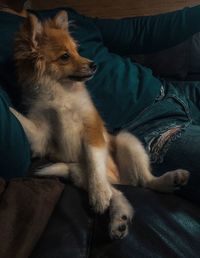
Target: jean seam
183 104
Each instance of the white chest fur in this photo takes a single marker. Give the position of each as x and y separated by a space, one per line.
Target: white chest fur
72 106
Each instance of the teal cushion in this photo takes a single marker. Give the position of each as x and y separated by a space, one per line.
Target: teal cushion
14 148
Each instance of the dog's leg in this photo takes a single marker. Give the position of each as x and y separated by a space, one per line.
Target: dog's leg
96 153
37 136
134 166
121 214
56 169
99 187
74 171
120 210
169 181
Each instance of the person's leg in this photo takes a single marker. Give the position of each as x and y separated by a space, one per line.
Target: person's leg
184 153
14 148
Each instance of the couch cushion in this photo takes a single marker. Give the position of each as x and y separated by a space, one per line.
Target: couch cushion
164 226
70 229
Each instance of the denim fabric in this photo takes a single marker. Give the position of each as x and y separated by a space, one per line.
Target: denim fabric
170 108
177 105
184 153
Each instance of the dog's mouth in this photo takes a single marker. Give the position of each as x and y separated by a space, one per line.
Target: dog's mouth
81 78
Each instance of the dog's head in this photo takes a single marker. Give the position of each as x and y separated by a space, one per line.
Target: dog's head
46 48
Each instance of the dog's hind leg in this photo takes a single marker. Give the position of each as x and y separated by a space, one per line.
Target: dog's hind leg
134 166
169 181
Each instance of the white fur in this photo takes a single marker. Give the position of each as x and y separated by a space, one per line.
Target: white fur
59 169
98 186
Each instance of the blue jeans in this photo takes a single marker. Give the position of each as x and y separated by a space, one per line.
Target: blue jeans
170 131
184 153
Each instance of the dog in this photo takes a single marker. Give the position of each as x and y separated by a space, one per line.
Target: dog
63 125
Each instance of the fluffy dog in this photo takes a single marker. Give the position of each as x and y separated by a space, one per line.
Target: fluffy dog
63 125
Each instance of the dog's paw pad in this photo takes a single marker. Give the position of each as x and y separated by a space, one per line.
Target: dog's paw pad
119 230
124 217
119 225
181 177
122 228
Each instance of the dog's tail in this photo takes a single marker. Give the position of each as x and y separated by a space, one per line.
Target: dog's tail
56 169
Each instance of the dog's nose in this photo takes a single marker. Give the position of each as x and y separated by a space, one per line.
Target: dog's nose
93 66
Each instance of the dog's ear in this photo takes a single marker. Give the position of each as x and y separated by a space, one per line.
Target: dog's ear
61 20
34 28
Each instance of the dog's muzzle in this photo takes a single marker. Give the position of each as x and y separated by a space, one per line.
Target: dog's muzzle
85 76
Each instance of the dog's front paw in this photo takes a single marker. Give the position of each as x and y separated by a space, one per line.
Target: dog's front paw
119 227
100 198
121 215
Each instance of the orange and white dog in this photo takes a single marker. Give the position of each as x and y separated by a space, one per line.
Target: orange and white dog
63 125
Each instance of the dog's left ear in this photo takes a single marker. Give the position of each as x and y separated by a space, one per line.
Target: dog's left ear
61 20
34 28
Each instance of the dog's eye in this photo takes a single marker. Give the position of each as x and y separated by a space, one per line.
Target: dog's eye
65 57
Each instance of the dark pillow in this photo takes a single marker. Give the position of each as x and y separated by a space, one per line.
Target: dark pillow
194 58
170 63
181 62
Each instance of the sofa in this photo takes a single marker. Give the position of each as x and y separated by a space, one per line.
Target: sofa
47 218
51 218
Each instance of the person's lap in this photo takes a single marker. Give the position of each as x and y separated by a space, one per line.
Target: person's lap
170 131
184 153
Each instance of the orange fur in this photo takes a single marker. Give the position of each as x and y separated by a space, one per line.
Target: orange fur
45 50
94 130
113 172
